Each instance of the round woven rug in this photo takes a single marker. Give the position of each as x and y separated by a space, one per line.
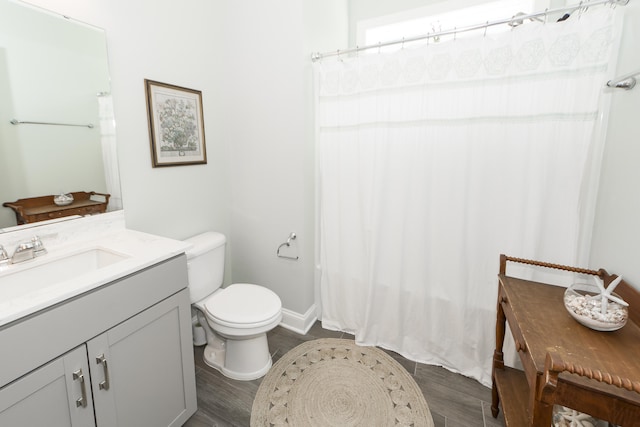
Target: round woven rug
334 382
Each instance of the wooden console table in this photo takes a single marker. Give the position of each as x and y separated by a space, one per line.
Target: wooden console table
565 363
42 208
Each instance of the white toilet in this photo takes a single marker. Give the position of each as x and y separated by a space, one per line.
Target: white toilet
237 318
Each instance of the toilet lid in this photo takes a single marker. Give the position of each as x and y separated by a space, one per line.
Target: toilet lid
243 303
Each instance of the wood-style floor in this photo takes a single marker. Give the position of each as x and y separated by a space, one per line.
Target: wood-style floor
454 400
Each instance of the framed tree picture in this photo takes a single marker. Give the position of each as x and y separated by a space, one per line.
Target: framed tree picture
176 125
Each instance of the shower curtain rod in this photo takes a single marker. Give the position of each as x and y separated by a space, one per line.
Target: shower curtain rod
514 21
626 82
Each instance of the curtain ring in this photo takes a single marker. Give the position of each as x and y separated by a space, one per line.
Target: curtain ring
436 37
545 15
402 43
455 33
485 29
379 46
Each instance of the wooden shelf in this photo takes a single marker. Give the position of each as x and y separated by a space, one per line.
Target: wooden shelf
513 383
564 362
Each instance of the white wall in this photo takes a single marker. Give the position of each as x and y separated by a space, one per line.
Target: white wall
251 60
162 41
616 236
269 119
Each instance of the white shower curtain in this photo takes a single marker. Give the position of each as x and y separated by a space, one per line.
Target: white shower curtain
432 161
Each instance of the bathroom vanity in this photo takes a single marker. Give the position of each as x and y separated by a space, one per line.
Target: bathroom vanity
110 347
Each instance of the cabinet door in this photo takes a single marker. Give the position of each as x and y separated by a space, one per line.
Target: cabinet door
57 394
142 370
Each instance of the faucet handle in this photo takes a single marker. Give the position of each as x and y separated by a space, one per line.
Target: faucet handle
38 246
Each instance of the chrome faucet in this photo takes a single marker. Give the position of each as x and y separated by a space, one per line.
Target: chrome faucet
28 250
23 252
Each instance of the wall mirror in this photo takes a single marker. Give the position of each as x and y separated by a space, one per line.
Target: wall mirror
57 130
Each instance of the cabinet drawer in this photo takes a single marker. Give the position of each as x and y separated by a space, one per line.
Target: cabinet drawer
92 210
52 215
86 210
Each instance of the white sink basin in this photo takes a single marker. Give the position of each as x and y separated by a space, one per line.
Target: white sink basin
38 274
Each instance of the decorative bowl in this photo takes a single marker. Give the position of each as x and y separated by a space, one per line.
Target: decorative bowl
63 199
584 303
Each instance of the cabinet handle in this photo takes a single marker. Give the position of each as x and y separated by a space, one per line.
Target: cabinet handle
81 401
101 360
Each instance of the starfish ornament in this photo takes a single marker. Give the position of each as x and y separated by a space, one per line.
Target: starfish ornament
606 294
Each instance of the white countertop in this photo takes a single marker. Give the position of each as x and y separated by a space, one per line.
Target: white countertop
140 250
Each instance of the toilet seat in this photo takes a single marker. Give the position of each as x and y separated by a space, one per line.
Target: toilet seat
243 305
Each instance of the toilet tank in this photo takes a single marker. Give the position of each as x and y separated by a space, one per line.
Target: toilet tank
205 264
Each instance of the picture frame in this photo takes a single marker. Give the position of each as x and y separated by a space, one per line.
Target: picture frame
176 125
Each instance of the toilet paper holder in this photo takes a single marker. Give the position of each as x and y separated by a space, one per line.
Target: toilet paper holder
292 236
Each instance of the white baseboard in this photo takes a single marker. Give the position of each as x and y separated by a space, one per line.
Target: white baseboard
296 322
